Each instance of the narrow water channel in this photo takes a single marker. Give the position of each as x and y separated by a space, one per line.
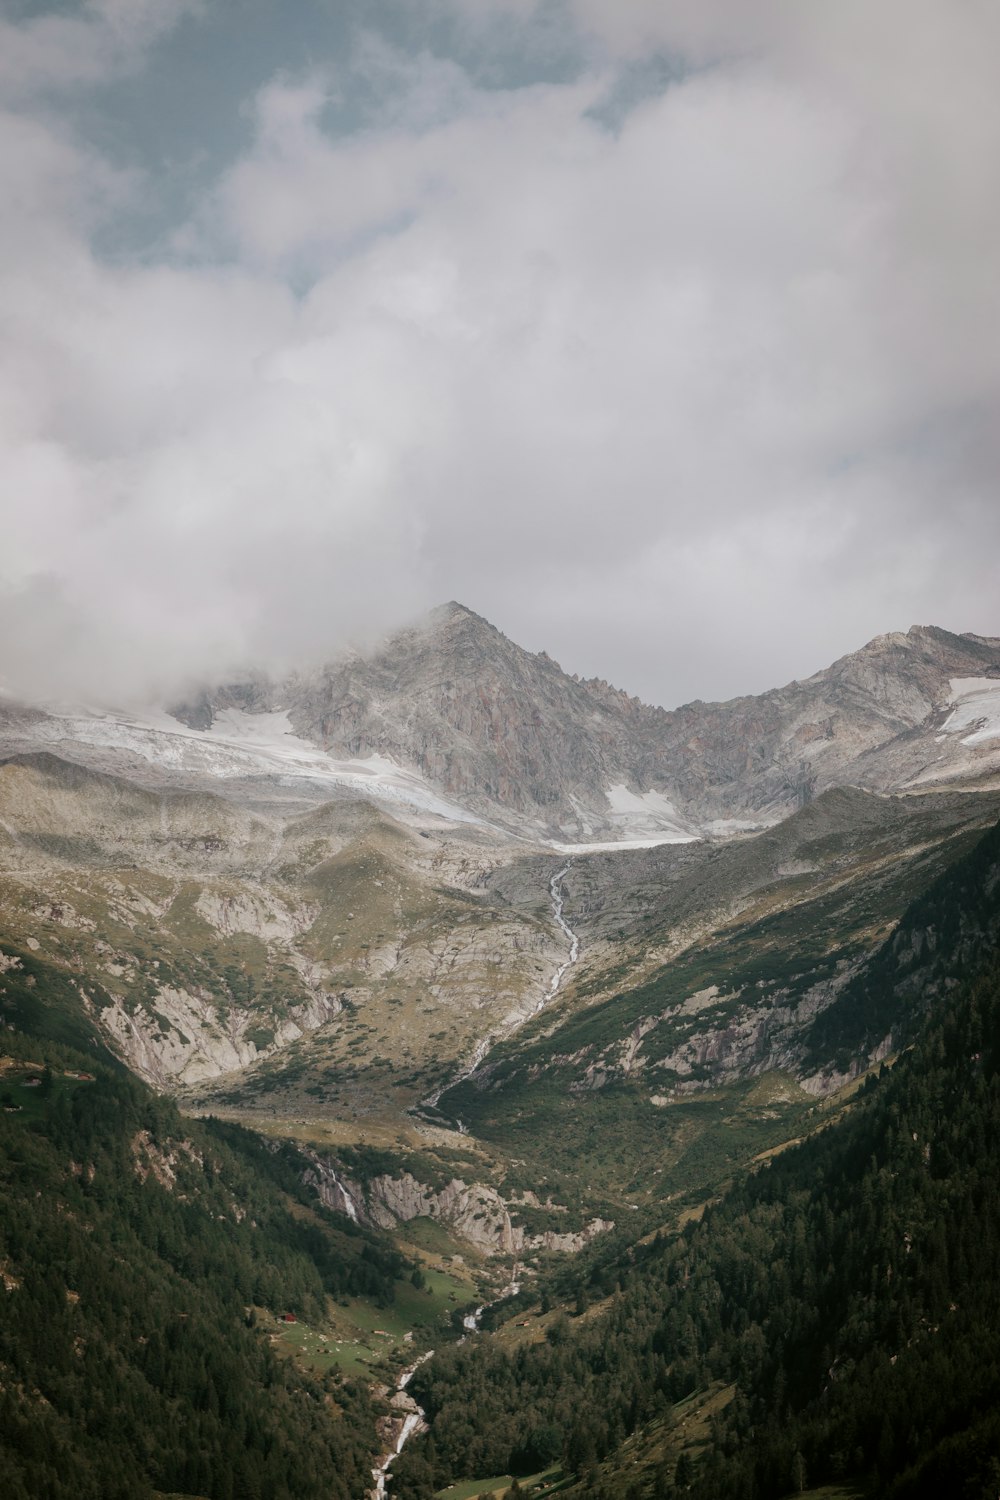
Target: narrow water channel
489 1041
413 1421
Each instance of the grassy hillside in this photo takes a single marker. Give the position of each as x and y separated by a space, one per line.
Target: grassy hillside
329 961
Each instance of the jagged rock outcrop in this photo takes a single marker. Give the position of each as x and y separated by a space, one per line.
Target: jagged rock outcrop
475 1211
188 1038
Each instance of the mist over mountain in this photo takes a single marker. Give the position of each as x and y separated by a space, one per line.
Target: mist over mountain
499 734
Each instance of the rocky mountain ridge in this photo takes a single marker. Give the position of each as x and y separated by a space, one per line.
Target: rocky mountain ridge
511 735
450 721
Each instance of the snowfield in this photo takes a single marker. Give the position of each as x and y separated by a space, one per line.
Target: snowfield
254 747
645 813
642 820
242 746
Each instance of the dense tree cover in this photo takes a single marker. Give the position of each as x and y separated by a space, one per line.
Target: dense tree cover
133 1248
850 1292
948 929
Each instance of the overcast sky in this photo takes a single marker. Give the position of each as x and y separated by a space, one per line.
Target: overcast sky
664 333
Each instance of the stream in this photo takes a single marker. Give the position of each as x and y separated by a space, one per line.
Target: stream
489 1041
555 890
415 1420
472 1320
412 1422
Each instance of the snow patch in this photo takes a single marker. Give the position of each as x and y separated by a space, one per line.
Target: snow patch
642 820
643 812
627 804
611 845
976 708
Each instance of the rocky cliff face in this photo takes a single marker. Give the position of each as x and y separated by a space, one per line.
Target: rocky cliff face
491 724
474 1211
878 718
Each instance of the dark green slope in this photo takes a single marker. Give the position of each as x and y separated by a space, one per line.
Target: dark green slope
134 1248
848 1295
945 932
42 1002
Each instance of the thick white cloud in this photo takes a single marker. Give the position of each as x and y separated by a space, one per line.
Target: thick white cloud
696 403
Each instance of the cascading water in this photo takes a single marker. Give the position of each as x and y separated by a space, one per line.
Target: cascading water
472 1320
412 1422
555 888
483 1048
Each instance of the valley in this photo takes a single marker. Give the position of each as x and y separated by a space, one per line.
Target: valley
513 981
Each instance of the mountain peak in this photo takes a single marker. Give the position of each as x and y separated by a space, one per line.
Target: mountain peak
454 614
505 735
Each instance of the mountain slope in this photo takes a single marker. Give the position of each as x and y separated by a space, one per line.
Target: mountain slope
841 1306
722 990
886 717
201 936
143 1263
336 964
450 720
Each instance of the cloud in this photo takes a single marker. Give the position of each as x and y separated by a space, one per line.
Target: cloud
54 51
698 402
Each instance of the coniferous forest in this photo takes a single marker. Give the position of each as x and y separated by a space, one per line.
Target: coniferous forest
134 1250
843 1298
